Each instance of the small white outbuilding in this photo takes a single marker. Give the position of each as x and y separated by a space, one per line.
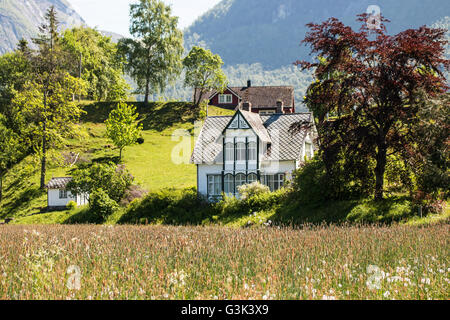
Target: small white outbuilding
59 197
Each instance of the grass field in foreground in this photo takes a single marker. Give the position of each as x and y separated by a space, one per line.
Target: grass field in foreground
125 262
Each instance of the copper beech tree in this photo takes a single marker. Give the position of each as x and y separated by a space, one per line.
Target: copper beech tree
370 87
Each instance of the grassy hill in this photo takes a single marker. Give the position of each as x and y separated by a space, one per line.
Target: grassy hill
150 163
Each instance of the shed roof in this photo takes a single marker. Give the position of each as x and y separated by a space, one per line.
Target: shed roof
58 183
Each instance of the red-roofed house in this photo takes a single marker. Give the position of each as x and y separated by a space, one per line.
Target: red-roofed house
264 100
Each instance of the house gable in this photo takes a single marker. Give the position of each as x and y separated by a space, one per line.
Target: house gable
238 122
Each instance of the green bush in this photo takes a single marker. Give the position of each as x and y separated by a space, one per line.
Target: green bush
101 205
71 205
251 190
113 179
312 184
169 206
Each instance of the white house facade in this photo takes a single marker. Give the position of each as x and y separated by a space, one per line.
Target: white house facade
59 197
236 150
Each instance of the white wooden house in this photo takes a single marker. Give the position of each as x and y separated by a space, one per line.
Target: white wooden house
58 197
236 150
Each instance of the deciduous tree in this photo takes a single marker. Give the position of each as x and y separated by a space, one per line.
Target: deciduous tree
122 127
154 54
203 73
373 84
98 63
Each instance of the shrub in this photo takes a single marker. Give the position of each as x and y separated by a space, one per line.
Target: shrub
71 205
101 205
169 206
113 179
312 184
250 190
133 193
140 140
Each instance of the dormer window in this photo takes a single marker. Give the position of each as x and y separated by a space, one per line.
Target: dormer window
225 98
308 151
268 148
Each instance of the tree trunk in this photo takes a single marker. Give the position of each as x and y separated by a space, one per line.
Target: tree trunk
147 90
44 146
120 155
380 169
1 186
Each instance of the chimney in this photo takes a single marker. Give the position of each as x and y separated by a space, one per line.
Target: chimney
280 105
247 106
249 83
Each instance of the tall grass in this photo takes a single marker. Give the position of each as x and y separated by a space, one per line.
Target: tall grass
127 262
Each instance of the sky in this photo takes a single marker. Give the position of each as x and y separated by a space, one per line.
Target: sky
113 15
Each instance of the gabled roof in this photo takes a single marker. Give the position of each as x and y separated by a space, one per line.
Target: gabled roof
260 97
255 122
58 183
286 144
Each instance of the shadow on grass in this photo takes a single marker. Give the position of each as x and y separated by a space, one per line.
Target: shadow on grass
154 116
22 200
387 211
168 207
83 216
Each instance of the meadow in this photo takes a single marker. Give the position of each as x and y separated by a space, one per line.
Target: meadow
163 262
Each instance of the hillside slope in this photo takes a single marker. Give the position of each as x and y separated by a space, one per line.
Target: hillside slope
270 31
20 19
150 163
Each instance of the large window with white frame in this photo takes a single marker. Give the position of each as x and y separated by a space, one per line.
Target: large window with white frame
274 182
240 180
229 152
225 98
252 150
251 178
229 184
214 185
241 151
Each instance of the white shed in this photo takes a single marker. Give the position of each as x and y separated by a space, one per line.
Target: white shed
59 197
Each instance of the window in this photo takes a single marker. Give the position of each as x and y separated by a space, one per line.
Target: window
240 181
252 178
225 98
279 181
308 151
214 185
240 151
267 112
274 182
63 194
229 184
229 152
252 151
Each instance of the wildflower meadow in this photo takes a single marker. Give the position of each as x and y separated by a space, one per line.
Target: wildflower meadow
166 263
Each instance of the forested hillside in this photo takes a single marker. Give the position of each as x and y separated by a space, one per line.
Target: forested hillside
21 18
270 31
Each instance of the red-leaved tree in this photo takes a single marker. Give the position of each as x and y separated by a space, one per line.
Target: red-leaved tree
370 87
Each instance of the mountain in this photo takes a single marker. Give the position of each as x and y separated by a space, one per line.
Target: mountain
270 31
21 18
